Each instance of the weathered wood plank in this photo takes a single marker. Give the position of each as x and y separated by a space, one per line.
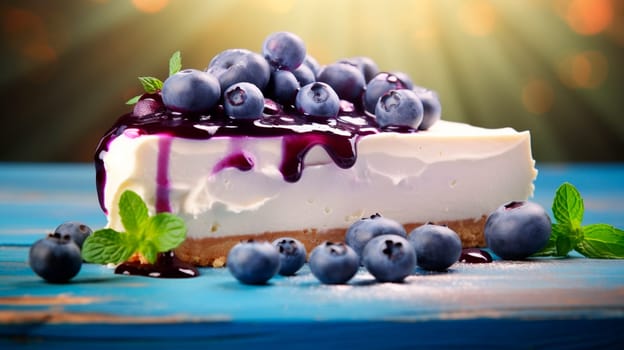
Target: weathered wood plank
572 303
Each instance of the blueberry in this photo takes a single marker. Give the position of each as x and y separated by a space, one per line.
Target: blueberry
311 63
389 258
333 263
239 65
365 229
405 78
191 91
366 65
148 105
437 247
243 100
77 231
347 80
517 230
304 75
284 50
318 99
253 262
283 87
55 258
399 108
292 255
432 109
379 85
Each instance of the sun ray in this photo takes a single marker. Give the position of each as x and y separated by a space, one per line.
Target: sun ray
493 62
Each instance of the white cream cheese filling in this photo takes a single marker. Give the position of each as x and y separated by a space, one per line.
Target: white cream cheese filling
452 171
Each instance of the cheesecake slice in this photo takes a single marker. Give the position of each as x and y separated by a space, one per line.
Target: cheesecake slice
282 175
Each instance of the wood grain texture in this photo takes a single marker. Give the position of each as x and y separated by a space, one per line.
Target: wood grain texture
566 303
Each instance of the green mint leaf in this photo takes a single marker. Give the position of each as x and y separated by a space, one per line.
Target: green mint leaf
602 241
133 212
145 235
150 84
107 246
175 63
162 232
562 240
149 251
563 246
133 100
568 205
567 238
593 241
166 231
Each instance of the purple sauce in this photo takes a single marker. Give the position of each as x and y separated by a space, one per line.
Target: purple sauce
475 256
340 149
162 177
338 136
167 265
238 160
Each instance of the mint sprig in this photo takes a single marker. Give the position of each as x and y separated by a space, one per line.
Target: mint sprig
146 235
175 63
152 85
593 241
133 100
602 241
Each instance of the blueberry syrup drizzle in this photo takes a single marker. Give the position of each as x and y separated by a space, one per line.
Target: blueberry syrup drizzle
475 256
238 160
341 150
167 265
162 177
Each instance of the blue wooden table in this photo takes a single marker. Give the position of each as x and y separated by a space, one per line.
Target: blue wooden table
541 303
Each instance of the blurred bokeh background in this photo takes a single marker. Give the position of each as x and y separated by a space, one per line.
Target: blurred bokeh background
552 67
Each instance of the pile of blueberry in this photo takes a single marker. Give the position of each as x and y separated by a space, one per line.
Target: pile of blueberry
57 258
379 244
514 231
240 82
